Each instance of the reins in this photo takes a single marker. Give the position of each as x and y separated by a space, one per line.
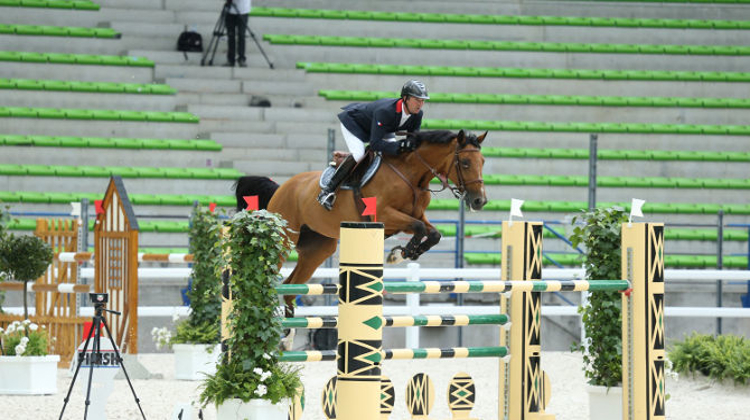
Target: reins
458 191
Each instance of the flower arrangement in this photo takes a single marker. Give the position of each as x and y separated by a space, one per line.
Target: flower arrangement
23 338
250 369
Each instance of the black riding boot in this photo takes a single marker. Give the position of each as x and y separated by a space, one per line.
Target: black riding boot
327 195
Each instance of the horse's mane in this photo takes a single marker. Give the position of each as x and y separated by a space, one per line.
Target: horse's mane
442 137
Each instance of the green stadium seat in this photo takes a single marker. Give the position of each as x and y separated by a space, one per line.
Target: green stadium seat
94 171
68 171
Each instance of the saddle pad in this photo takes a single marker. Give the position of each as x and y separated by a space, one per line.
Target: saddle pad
351 184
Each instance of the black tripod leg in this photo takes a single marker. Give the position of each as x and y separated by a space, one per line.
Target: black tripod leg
75 375
94 359
252 35
215 37
122 365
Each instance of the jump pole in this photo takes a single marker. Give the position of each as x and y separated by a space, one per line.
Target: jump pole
523 388
360 335
643 357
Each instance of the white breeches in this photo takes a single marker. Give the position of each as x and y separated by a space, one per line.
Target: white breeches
355 145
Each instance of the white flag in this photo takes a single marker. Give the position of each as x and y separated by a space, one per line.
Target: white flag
515 207
76 212
636 206
635 210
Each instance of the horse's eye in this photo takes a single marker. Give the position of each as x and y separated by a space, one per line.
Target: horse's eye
465 163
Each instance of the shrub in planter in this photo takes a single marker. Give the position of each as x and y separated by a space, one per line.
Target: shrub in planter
600 234
722 357
250 369
24 258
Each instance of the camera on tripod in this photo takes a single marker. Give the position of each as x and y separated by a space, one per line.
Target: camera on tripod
99 297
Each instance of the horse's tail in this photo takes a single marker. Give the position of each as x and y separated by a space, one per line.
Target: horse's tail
261 186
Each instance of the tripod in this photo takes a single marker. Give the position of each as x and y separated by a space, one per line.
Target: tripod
220 30
99 299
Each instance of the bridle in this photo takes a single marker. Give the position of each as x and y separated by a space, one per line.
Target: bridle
458 191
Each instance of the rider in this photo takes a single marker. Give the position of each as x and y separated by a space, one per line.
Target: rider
376 123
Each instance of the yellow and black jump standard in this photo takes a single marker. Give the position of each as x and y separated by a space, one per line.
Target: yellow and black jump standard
643 393
524 388
360 326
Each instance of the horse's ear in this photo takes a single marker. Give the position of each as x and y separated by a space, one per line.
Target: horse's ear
461 137
480 139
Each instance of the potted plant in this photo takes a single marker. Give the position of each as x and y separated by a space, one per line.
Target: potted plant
25 366
600 234
250 382
196 342
24 258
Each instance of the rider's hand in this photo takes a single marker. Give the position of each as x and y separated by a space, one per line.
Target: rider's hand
407 145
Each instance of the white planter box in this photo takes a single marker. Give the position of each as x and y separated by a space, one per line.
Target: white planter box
603 404
236 409
28 375
193 362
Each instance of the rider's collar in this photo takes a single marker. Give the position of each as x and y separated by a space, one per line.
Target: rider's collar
399 105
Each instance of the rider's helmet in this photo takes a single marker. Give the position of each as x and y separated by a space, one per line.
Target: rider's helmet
414 88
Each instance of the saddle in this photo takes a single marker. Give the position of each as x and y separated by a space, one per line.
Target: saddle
359 176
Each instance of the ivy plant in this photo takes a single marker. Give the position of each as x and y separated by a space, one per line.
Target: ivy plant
24 258
599 231
722 357
250 369
4 218
204 321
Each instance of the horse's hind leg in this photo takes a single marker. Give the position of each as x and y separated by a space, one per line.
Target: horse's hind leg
312 249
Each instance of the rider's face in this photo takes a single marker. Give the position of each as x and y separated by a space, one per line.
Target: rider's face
413 105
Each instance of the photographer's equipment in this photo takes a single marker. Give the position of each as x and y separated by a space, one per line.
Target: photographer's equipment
189 41
97 357
220 31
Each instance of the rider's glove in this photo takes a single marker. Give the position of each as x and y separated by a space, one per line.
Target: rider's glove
406 145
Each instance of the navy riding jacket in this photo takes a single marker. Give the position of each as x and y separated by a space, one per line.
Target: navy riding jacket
373 122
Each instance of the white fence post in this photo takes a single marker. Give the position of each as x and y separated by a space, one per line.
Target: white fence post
412 301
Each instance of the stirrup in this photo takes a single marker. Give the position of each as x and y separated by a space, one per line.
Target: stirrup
326 199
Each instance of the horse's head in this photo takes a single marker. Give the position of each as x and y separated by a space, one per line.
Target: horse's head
466 172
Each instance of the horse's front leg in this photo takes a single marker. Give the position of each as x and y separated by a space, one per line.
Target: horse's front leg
433 237
402 222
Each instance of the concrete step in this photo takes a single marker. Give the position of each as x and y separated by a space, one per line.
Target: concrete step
30 126
107 157
531 86
271 151
655 195
87 73
274 168
85 100
208 125
264 140
254 58
286 56
227 99
133 185
261 114
634 168
616 141
165 71
395 29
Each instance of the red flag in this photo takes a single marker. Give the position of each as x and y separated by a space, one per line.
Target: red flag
98 206
371 207
211 207
252 202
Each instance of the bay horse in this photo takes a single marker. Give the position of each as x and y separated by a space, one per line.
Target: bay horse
400 185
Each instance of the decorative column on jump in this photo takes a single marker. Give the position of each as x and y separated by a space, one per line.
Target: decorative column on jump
360 326
643 393
524 389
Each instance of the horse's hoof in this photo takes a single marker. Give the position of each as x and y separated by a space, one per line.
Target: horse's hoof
288 341
395 257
